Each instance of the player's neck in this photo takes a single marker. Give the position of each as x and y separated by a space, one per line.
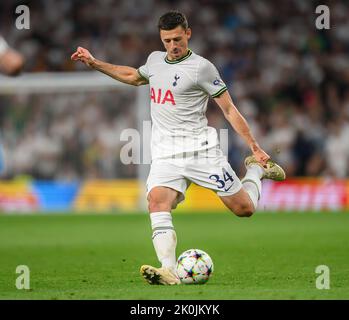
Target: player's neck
187 53
179 58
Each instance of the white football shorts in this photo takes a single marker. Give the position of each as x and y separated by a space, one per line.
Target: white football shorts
209 169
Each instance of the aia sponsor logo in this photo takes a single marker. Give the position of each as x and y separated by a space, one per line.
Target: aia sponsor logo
160 96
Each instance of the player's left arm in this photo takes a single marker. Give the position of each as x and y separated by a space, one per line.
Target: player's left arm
240 125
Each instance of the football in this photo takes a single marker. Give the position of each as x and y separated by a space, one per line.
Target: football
194 266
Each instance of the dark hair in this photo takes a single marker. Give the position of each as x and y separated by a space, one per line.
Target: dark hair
171 20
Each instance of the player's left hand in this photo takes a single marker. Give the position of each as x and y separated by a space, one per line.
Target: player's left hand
260 155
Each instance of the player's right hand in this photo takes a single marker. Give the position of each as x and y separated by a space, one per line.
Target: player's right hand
83 55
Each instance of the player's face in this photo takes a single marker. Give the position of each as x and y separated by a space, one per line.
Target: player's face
175 42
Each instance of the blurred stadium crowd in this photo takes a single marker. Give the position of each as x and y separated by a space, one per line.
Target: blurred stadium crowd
290 80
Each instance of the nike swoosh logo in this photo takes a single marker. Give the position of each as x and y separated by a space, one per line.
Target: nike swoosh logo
228 188
150 75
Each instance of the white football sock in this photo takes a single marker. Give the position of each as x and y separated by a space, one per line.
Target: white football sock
164 239
252 183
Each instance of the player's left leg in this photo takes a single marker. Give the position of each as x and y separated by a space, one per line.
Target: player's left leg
239 203
244 202
214 172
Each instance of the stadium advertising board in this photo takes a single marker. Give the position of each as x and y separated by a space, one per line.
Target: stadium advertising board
17 196
298 194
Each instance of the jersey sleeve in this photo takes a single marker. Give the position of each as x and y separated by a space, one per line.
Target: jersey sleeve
209 80
144 70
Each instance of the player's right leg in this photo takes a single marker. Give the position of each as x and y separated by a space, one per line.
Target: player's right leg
160 202
166 187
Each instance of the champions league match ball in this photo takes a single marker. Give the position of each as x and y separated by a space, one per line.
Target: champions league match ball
194 266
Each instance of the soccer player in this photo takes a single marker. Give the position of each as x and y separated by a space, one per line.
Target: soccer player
11 63
184 148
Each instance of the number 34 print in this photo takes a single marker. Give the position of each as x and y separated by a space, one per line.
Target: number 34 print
224 180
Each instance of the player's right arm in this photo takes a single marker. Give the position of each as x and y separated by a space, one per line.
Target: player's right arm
11 61
123 74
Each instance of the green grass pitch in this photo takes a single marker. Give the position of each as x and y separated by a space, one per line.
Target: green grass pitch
267 256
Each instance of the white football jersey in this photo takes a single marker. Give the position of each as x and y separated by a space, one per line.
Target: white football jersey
179 92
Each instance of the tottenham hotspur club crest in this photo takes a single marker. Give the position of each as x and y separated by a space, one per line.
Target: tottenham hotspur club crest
176 79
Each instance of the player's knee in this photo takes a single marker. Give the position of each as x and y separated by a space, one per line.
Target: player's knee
245 210
245 214
157 205
161 199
